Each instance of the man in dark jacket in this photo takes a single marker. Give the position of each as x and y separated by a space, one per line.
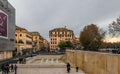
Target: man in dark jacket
68 67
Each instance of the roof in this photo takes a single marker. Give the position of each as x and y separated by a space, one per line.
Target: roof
20 28
35 33
60 29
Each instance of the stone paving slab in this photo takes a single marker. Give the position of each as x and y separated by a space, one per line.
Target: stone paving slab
44 68
47 71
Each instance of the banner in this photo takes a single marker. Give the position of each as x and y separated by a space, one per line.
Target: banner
3 24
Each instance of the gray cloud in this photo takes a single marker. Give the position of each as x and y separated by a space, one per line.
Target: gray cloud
44 15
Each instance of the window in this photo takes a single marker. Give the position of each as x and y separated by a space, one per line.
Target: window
66 39
53 32
68 35
20 34
55 42
36 37
15 34
16 41
68 32
60 32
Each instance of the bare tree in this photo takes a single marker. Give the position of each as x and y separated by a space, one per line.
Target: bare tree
114 27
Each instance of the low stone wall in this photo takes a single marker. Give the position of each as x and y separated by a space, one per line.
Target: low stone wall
94 62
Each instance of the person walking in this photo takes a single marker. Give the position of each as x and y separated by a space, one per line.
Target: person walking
11 67
3 69
15 69
76 68
68 67
7 68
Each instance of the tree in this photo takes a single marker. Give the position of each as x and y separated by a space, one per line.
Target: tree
69 44
64 44
114 27
91 37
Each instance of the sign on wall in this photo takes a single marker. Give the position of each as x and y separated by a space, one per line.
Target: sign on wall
3 24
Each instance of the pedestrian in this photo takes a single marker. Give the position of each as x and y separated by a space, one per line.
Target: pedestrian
3 68
76 68
7 68
11 68
15 69
68 67
24 60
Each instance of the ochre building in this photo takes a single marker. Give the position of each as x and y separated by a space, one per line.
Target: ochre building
37 41
59 34
23 39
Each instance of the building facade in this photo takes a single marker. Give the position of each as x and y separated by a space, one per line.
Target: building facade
7 29
46 44
76 43
37 41
59 34
23 39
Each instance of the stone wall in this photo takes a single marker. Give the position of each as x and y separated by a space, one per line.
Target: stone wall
94 62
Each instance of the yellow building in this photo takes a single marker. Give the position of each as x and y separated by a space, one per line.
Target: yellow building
59 34
46 44
23 39
37 40
42 45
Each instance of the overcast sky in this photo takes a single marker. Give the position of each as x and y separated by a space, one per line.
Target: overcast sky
44 15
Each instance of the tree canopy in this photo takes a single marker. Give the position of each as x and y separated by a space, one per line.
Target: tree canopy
64 44
114 27
91 37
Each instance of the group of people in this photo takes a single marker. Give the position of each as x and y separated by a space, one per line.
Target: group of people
69 68
22 60
7 68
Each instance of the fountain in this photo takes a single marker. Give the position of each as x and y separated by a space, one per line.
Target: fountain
45 60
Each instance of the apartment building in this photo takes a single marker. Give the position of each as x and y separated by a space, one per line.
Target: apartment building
37 40
59 34
23 39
